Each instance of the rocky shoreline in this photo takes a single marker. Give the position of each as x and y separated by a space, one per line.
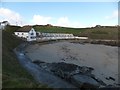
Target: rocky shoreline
80 76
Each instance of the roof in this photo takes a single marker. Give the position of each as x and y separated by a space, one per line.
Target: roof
25 29
5 22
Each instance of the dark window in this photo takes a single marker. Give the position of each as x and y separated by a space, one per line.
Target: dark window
32 33
22 33
17 33
32 37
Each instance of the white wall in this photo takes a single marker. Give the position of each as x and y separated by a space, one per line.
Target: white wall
48 36
31 35
56 35
2 26
81 37
22 34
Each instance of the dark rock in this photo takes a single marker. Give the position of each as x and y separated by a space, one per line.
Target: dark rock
107 78
86 70
64 66
100 81
78 42
63 59
38 62
82 80
71 68
112 78
79 75
65 70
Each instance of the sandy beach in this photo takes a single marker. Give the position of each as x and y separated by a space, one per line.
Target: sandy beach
104 59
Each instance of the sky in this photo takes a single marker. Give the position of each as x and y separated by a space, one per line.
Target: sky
66 14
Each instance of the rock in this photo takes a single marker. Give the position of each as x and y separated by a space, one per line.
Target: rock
38 62
81 76
71 68
112 78
64 67
65 70
118 84
84 81
107 78
63 59
100 81
86 70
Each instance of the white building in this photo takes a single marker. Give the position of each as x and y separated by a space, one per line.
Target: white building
57 35
3 25
54 36
27 33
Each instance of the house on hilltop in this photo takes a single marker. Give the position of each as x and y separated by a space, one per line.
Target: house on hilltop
26 32
3 24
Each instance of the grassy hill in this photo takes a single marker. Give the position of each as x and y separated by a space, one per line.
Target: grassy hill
56 29
13 75
110 33
107 32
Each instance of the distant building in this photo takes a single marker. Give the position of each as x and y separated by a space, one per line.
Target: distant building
98 26
26 32
49 25
3 24
56 36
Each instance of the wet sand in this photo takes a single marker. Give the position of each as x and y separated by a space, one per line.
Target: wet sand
104 59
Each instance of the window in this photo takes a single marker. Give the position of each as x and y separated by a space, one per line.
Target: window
17 33
22 33
32 37
32 33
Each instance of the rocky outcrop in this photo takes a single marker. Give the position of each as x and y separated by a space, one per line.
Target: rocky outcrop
80 76
84 81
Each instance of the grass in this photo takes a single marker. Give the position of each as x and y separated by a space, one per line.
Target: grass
101 33
92 33
13 74
55 29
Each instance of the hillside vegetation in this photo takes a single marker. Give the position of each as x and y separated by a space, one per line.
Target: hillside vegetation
56 29
13 74
109 32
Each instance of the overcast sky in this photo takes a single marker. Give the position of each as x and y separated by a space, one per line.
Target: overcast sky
68 14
